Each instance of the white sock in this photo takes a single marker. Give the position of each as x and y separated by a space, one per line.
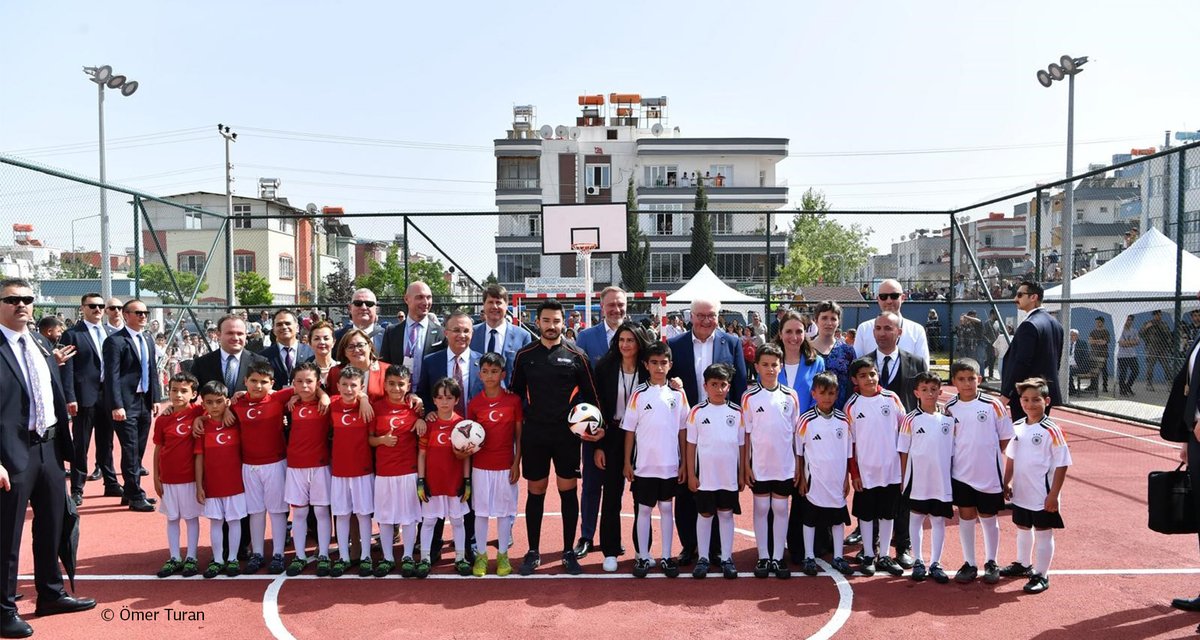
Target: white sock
278 532
939 538
387 540
343 536
173 539
725 523
258 532
810 534
839 539
704 534
779 517
991 537
427 525
324 528
666 513
235 539
504 533
300 531
409 533
193 537
643 530
364 536
885 534
1044 551
214 536
916 532
460 538
966 535
867 529
481 534
1025 547
762 510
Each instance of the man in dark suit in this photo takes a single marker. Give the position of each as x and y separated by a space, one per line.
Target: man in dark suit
286 350
691 353
496 333
1181 423
227 364
82 378
408 343
34 444
131 390
1036 350
364 315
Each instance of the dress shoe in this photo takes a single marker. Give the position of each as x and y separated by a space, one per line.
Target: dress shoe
94 475
65 604
1186 604
686 557
14 627
114 492
143 472
77 498
904 559
125 501
141 505
582 548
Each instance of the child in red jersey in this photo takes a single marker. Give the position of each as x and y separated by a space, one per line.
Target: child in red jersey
308 468
496 465
219 479
175 473
394 433
443 477
352 488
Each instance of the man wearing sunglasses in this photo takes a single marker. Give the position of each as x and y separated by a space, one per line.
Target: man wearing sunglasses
364 315
112 315
131 388
912 335
1036 350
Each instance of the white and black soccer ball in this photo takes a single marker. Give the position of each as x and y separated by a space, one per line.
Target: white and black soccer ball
585 418
466 435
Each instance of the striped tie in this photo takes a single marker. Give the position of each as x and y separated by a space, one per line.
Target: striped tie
35 390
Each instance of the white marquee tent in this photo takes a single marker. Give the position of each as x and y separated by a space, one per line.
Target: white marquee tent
706 285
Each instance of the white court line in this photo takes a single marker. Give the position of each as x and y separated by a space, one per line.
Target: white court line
270 610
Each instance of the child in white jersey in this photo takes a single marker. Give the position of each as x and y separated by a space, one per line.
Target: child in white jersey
824 446
985 428
1033 479
715 460
926 448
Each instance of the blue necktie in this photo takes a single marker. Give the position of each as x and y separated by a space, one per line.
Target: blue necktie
230 374
492 342
144 384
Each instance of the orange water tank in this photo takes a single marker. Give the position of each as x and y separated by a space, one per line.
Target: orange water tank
1148 151
591 100
625 98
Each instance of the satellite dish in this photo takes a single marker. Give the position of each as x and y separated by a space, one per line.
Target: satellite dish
657 129
560 131
574 133
311 208
547 131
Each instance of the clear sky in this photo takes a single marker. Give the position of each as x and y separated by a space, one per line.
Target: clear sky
386 106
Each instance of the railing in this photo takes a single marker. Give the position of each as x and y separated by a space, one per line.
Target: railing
518 183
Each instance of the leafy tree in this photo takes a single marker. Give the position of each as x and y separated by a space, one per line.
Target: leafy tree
252 289
432 273
156 278
821 249
337 287
702 242
635 262
386 279
74 268
490 279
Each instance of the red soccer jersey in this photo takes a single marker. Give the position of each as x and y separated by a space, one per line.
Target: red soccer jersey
308 445
443 472
176 446
351 452
262 427
499 417
397 420
221 447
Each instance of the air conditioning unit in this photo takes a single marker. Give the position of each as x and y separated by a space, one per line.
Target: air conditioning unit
593 191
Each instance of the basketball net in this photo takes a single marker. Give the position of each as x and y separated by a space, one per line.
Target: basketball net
584 250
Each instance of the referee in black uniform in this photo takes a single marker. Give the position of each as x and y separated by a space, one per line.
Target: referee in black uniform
551 376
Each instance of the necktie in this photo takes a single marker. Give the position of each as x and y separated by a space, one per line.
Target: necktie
99 349
288 363
886 374
144 383
412 340
458 377
492 342
35 390
230 373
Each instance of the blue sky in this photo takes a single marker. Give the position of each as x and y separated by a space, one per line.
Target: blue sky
834 78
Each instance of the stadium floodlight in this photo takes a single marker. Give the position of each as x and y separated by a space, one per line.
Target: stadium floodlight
1056 72
1044 78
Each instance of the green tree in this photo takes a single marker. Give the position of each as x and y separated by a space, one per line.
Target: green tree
252 289
635 262
156 278
821 249
432 273
490 279
337 288
74 268
386 278
702 242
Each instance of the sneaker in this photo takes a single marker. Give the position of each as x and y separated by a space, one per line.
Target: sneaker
610 563
571 563
904 559
254 563
701 569
323 568
854 538
641 568
918 572
582 548
407 567
170 567
276 566
366 568
966 573
530 563
479 569
384 567
938 573
762 568
462 567
728 569
503 566
780 569
810 567
867 566
991 572
233 568
884 563
422 569
296 566
1037 583
339 567
670 567
1016 570
842 566
214 569
190 568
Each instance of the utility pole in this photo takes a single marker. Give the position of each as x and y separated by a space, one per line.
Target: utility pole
230 137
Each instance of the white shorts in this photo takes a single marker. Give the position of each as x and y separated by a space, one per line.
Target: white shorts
230 508
179 501
264 487
444 507
491 494
307 486
396 499
352 495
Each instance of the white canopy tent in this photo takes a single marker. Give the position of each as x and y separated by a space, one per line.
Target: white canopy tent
706 285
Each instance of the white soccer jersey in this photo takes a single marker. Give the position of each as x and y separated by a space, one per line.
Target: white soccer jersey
982 424
825 444
928 439
771 417
718 432
876 423
656 414
1036 450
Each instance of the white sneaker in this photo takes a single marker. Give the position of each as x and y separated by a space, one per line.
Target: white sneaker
610 563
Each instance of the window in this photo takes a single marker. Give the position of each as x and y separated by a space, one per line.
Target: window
762 178
241 213
722 223
987 240
192 220
667 222
191 261
286 225
1103 209
601 269
598 175
514 268
1079 215
666 267
535 224
740 266
1191 178
665 175
517 173
243 261
1156 185
721 174
664 224
287 267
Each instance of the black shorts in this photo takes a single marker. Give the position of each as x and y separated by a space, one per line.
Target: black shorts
938 508
817 517
708 502
651 491
536 455
967 496
778 487
877 503
1036 519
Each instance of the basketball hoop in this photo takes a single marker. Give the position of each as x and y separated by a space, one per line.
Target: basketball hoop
584 248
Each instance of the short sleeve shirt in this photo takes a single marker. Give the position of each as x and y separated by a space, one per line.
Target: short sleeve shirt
443 472
826 445
656 415
262 427
499 417
928 439
876 422
771 416
982 424
397 420
718 432
221 447
176 446
1036 450
351 451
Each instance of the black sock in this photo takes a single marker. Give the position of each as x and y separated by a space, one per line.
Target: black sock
570 517
534 506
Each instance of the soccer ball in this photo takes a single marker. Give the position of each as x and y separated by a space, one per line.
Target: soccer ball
585 418
466 435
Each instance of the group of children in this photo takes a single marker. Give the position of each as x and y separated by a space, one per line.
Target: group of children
265 453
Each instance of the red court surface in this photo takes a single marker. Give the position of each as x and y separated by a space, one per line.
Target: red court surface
1111 578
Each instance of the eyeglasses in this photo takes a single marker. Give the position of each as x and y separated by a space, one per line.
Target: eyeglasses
1022 294
114 308
94 306
705 316
364 303
16 300
357 346
141 313
890 296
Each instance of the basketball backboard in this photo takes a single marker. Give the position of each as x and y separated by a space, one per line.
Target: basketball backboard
603 225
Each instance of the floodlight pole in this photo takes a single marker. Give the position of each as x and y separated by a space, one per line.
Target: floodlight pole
1068 239
105 259
229 137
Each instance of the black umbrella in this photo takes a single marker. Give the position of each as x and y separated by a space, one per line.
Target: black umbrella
68 541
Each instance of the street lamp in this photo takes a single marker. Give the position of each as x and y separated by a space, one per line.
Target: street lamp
103 77
1068 67
229 137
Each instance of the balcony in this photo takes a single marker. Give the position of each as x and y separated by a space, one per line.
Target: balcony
726 195
518 184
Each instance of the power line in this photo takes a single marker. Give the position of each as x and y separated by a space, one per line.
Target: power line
91 145
937 150
282 134
365 175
